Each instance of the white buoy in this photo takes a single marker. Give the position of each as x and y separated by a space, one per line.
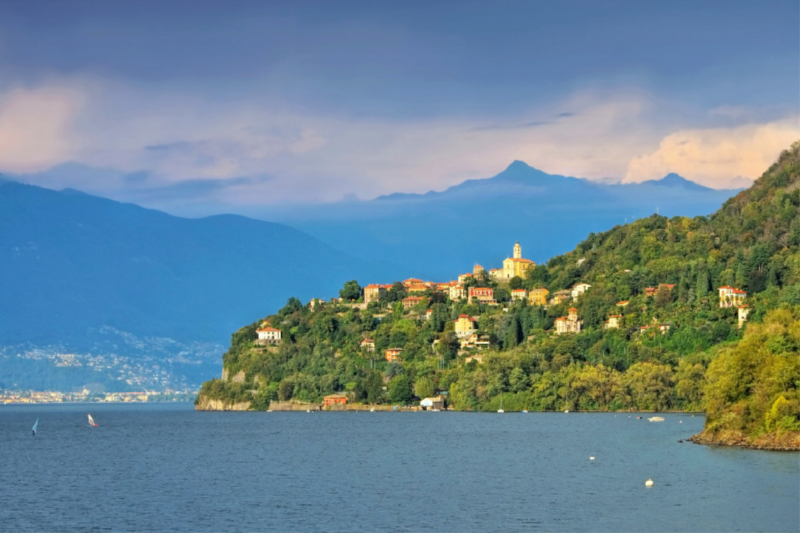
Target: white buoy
591 458
648 483
680 421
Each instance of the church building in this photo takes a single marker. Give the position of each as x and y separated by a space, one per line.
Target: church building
516 265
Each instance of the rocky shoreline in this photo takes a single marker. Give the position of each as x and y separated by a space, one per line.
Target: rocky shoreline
787 442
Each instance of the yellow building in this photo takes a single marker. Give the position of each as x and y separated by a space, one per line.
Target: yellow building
538 297
465 326
516 265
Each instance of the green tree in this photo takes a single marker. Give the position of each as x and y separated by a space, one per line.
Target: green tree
396 292
351 291
424 387
518 380
702 284
650 385
514 335
285 390
400 389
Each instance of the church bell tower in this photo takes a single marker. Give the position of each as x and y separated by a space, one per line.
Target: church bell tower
517 251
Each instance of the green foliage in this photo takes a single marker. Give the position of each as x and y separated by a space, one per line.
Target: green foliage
424 387
700 360
351 291
400 389
753 384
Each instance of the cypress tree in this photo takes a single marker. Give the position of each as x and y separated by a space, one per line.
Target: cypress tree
702 284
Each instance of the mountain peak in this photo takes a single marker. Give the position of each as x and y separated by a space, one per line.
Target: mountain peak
519 165
675 180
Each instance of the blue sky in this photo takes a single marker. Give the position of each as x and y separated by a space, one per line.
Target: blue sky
176 104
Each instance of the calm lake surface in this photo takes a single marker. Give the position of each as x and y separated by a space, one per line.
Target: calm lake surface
164 467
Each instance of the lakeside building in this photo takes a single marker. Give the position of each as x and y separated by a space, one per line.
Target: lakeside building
411 301
316 303
334 399
519 294
614 322
481 294
373 293
477 269
578 289
464 326
569 323
496 273
393 354
623 303
368 345
456 292
538 297
412 281
742 312
269 335
731 296
663 328
464 277
435 403
560 297
475 342
428 314
417 288
516 265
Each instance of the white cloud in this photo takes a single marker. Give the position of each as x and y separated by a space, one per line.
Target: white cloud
35 127
717 157
309 156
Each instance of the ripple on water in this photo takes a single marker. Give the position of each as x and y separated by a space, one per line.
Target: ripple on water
168 468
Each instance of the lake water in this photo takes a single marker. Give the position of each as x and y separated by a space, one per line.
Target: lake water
165 467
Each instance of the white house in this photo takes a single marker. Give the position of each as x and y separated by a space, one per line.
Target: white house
269 335
578 289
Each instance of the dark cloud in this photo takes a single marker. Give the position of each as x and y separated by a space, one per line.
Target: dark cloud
512 126
196 189
425 58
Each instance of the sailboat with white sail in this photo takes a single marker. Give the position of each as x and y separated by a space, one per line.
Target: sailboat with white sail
35 427
91 421
501 405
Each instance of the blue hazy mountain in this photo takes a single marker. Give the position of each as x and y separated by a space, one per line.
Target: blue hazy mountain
444 233
72 264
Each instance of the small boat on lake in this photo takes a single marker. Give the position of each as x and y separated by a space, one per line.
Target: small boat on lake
656 419
91 421
35 427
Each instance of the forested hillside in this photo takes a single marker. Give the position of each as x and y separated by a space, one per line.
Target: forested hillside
675 347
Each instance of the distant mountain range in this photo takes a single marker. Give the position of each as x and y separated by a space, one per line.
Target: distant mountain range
73 265
84 274
478 221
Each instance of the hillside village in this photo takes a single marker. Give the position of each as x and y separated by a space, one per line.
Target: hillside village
659 314
486 290
482 313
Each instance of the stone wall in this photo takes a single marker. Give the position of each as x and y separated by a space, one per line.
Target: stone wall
207 404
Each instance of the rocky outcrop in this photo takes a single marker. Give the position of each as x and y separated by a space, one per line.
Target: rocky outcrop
785 442
293 406
208 404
